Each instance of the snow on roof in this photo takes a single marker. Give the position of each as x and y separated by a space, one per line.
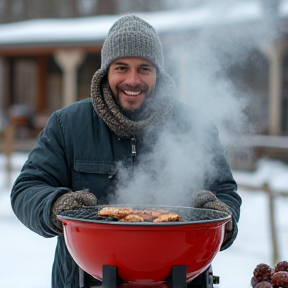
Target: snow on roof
56 30
95 29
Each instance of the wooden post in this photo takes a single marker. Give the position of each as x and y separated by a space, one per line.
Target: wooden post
8 149
69 61
42 62
272 227
273 232
274 52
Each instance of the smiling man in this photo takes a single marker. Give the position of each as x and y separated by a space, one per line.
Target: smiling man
131 81
74 162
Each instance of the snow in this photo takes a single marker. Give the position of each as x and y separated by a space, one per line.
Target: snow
91 29
26 258
46 30
274 173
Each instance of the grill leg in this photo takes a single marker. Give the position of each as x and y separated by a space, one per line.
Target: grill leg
110 278
204 280
179 274
82 282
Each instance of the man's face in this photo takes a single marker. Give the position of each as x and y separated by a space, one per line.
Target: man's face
131 80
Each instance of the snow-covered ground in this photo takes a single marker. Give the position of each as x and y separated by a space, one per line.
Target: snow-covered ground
26 258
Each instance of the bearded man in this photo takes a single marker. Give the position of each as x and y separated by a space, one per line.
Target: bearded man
132 106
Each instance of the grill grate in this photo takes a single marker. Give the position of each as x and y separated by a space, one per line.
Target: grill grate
187 215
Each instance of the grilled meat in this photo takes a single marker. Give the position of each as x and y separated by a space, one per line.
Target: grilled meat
130 215
150 215
132 218
118 212
171 217
146 215
159 212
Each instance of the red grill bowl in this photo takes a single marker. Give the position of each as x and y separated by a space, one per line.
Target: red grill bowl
145 251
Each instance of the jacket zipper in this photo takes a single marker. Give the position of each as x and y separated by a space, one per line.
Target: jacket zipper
133 147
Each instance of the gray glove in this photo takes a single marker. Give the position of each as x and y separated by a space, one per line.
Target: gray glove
208 200
70 201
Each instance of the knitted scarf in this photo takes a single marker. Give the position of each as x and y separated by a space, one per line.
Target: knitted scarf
156 109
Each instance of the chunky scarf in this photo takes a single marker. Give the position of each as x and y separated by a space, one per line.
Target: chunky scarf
155 110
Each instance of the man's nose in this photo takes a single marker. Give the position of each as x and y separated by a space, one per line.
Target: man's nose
133 78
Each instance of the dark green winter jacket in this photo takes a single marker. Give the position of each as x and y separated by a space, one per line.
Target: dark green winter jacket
77 150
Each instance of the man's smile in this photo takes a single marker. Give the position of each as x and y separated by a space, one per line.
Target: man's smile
132 93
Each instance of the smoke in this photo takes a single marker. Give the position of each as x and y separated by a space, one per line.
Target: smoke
168 174
204 64
173 167
211 66
210 91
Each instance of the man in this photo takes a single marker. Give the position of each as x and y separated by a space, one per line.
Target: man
127 120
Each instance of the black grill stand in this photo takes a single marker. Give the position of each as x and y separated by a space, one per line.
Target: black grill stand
176 280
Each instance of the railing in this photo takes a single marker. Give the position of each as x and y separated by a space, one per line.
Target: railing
265 141
267 146
272 225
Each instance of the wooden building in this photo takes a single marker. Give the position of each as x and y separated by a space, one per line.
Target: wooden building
48 64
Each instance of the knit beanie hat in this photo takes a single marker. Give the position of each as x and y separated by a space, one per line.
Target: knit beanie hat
131 36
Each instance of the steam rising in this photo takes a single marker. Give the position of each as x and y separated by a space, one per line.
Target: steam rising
167 175
200 62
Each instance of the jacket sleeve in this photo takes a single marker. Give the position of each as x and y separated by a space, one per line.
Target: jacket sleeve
225 187
43 178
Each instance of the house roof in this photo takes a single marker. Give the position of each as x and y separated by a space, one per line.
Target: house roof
93 30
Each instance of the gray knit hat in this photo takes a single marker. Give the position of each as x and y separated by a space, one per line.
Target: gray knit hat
131 36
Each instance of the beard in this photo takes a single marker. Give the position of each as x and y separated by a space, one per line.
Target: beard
141 113
146 107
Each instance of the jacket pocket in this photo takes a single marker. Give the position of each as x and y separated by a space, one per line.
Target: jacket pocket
96 176
95 167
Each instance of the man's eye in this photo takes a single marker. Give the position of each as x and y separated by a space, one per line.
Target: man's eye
120 68
146 69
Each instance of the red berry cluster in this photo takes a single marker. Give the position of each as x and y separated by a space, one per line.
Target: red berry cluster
266 277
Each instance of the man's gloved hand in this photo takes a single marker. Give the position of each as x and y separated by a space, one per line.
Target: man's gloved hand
208 200
69 201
